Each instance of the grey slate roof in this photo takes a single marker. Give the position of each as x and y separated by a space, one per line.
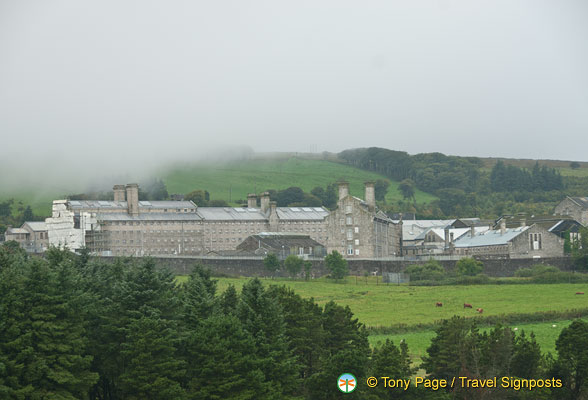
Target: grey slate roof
151 216
302 213
112 205
489 238
231 214
581 201
37 226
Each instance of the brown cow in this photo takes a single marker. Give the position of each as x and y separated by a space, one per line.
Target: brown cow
466 305
579 292
480 310
438 304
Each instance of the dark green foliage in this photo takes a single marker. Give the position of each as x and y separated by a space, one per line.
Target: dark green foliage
289 196
381 188
151 370
293 264
572 363
263 319
346 349
198 197
336 265
432 270
229 300
43 339
574 165
10 254
223 363
406 187
327 196
453 349
271 263
469 266
217 203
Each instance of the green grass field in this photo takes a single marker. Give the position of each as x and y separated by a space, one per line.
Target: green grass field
232 182
383 306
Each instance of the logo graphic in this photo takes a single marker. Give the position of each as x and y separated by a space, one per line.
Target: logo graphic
346 383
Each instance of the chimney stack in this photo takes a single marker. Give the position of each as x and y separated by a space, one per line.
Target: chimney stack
265 201
472 231
273 205
446 233
343 190
523 222
119 192
370 195
251 200
502 227
133 199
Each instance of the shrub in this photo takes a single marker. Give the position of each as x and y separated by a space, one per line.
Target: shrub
336 265
535 270
469 266
431 271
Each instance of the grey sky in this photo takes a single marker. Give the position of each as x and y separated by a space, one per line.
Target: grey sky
86 81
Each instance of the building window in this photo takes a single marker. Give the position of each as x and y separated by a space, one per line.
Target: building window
348 209
349 234
349 221
357 242
357 229
350 250
356 252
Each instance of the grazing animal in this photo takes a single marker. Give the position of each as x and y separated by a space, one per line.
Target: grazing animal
438 304
480 310
579 292
466 305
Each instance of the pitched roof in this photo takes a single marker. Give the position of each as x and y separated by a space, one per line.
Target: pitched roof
112 205
37 226
150 216
581 201
489 238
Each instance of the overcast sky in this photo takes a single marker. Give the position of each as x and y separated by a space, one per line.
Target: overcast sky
85 81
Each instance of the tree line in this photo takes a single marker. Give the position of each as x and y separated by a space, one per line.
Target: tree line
464 187
72 327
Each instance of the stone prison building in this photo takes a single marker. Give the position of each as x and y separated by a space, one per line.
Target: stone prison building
127 226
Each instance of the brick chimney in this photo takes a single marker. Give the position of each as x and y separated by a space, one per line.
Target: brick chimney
502 227
133 199
119 192
251 200
343 190
370 195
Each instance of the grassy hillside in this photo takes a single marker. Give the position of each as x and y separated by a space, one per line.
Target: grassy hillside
232 182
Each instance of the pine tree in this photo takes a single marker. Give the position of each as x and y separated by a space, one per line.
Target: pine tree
222 362
152 369
262 318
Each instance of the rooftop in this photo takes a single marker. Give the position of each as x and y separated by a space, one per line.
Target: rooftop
490 238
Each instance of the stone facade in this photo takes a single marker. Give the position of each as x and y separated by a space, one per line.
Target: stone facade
575 207
357 230
524 242
127 226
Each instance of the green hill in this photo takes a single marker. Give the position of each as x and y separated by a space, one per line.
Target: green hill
233 181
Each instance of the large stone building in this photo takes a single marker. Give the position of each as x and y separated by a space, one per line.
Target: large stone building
575 207
31 236
127 226
523 242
